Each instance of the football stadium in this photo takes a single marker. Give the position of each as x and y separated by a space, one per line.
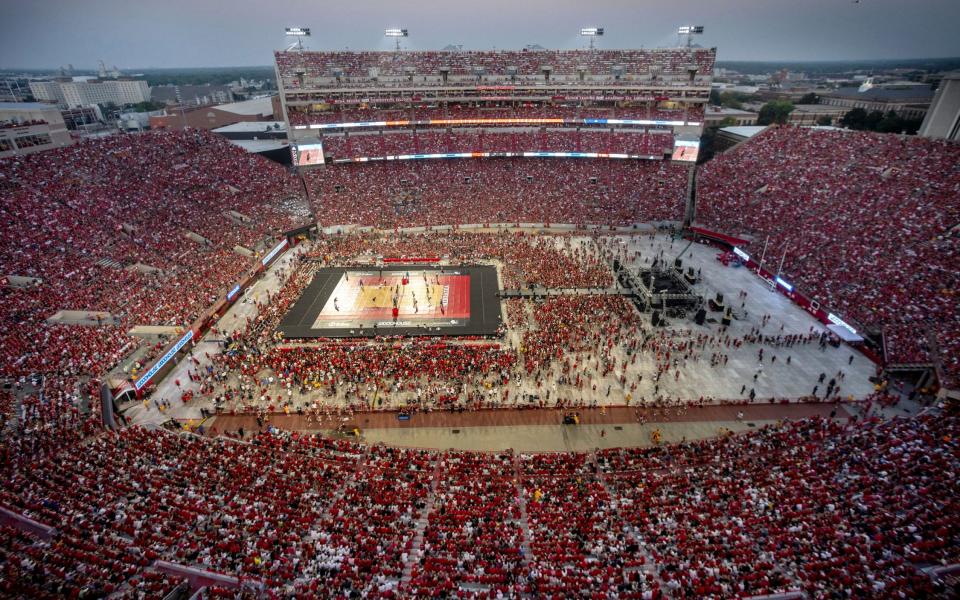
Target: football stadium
493 331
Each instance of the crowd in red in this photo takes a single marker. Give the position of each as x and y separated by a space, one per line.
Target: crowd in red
305 115
84 224
554 261
864 222
835 510
439 373
368 66
830 509
460 191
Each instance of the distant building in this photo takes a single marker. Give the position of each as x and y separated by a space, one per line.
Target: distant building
715 115
13 89
81 118
136 121
813 114
69 93
192 95
213 117
28 127
48 91
943 118
908 101
738 89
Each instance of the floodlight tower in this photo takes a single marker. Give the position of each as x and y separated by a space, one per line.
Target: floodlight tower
690 31
299 33
592 33
396 33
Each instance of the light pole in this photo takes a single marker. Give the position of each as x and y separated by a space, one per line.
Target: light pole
592 33
299 33
690 31
396 33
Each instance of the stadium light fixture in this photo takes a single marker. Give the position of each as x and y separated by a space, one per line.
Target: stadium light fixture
396 33
299 33
690 31
591 32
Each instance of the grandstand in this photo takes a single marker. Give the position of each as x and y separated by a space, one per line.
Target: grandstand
446 354
325 94
866 223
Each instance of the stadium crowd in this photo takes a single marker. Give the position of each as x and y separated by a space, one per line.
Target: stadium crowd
304 516
865 224
836 510
463 191
600 65
304 115
574 350
101 226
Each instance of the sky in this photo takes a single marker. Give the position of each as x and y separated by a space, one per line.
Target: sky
207 33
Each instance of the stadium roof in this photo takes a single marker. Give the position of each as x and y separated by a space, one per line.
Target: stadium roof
727 111
252 127
260 145
744 131
881 94
257 106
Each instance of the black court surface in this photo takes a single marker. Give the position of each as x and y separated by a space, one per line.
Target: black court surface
411 300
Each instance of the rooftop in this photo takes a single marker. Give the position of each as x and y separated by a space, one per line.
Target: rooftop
27 106
916 92
260 145
744 131
251 127
257 106
725 111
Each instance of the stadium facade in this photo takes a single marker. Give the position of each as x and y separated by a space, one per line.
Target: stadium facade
329 95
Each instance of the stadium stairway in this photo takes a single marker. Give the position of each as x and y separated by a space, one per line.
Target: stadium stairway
416 548
358 469
649 565
111 263
524 520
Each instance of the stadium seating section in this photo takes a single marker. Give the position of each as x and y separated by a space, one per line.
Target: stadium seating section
102 225
409 67
457 191
813 505
301 115
867 223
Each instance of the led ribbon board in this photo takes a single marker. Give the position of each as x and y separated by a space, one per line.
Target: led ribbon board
445 155
163 360
272 253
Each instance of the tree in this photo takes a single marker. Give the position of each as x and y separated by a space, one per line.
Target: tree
912 126
809 98
854 119
731 100
891 123
715 97
873 120
824 120
146 106
776 111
